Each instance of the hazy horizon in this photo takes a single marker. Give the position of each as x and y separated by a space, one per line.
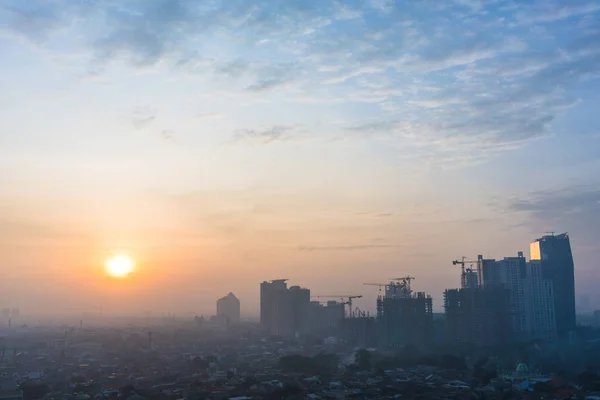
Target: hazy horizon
223 143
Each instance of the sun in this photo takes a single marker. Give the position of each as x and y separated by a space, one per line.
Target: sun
119 266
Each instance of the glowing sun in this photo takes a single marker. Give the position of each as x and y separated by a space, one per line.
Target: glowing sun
119 266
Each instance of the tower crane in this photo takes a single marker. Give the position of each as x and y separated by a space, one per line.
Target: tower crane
342 297
405 283
395 288
464 271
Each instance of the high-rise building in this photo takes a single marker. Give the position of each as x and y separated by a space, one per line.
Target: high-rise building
228 307
554 253
478 316
300 302
488 271
540 297
284 311
405 320
325 319
275 308
511 272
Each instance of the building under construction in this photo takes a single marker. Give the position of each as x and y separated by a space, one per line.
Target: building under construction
478 316
403 317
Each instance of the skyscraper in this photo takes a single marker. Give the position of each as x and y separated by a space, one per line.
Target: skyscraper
531 295
284 311
478 316
554 252
540 297
300 299
510 272
229 308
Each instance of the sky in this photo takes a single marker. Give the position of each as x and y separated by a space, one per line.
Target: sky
221 143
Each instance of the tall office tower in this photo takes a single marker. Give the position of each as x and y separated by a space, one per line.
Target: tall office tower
325 319
276 308
228 307
300 302
554 252
530 294
510 272
540 297
488 271
513 273
283 311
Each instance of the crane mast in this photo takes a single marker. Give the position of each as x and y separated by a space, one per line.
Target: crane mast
465 272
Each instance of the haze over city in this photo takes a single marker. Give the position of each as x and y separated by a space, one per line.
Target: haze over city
220 144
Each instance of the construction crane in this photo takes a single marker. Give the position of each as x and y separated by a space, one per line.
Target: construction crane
358 313
346 300
405 282
464 271
395 289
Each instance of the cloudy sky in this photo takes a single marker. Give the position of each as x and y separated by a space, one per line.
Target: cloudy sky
331 142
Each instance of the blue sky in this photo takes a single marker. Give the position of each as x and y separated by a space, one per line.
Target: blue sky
234 141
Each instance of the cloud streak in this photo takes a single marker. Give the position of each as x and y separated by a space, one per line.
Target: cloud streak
347 247
267 135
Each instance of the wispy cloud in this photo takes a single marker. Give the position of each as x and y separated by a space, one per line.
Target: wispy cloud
143 116
488 82
268 135
209 115
575 208
347 247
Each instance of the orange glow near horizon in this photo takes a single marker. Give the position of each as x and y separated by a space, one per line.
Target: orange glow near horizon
120 266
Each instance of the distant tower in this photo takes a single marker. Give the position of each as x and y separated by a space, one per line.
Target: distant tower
554 253
229 307
274 307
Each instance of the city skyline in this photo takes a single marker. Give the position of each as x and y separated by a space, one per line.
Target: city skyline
331 143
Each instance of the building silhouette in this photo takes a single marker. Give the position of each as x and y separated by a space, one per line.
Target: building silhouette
531 295
325 319
404 317
300 308
556 258
478 316
541 313
284 311
228 307
405 320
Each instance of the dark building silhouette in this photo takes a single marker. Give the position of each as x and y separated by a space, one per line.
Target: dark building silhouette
531 295
405 320
284 311
554 252
360 331
228 307
478 316
300 304
325 320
